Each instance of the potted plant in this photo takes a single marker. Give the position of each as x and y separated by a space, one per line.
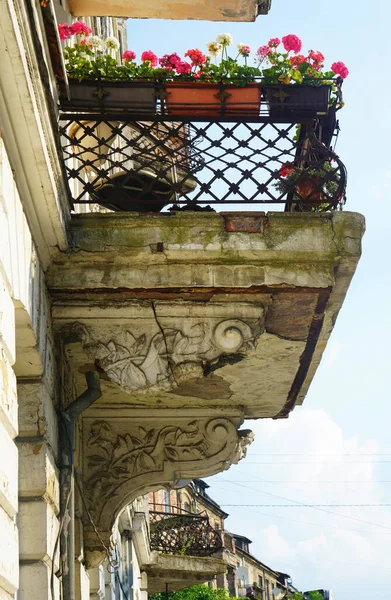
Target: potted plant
98 79
209 86
295 82
316 186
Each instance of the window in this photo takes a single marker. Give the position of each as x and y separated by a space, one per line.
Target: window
260 581
166 501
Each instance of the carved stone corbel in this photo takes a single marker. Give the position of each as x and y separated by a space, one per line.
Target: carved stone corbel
123 460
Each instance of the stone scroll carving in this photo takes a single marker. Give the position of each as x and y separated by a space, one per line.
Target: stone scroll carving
123 462
160 359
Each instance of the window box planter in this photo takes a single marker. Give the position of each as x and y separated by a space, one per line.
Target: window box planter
287 100
132 96
209 99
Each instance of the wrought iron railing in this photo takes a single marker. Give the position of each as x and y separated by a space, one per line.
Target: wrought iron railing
186 157
176 531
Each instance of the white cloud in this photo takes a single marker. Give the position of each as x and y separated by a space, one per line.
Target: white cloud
317 548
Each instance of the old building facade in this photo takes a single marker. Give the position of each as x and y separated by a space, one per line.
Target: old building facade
125 338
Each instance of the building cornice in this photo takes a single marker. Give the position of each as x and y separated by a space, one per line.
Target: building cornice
27 129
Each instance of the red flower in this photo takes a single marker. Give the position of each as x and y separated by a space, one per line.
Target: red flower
64 31
128 55
198 59
183 67
286 169
80 28
170 61
150 56
297 60
339 68
292 43
316 56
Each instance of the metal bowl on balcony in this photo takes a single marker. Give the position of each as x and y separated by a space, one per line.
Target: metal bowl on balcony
133 167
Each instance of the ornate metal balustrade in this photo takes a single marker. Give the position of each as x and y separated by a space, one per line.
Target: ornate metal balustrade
176 531
146 161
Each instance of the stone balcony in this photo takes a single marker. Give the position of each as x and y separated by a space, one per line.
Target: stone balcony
217 10
176 570
194 321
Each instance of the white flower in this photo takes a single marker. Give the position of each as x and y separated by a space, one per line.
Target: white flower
112 43
93 41
214 48
225 39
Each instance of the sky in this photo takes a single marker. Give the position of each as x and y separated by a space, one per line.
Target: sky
337 446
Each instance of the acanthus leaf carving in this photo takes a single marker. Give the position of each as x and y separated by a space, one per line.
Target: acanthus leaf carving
170 355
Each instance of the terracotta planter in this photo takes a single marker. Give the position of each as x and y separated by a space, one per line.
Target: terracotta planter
291 100
208 99
310 190
132 96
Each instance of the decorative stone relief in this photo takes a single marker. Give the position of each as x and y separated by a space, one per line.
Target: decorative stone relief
124 460
162 358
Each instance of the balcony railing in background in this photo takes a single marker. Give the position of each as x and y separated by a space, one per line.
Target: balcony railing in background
145 154
176 531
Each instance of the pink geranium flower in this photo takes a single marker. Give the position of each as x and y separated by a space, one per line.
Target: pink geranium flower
263 51
128 56
339 68
274 42
183 67
169 61
198 58
80 28
64 31
150 56
292 43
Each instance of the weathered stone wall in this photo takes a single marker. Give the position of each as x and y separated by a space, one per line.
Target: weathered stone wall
28 423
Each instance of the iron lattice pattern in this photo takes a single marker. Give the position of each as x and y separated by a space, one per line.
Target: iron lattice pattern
131 165
183 533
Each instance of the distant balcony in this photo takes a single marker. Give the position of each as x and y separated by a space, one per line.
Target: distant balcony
176 531
141 147
250 591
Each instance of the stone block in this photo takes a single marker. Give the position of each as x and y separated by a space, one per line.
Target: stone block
38 529
5 595
8 399
37 416
8 473
38 474
9 576
35 582
7 320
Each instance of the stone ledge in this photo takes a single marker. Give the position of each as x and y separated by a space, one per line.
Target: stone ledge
8 473
38 528
38 475
9 562
37 415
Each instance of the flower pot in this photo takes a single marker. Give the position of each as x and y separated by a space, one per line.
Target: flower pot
291 100
310 190
209 99
132 96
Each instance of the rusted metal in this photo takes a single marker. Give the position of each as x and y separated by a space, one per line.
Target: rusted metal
144 162
307 356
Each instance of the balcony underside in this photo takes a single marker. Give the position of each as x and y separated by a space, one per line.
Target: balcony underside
224 313
181 571
216 10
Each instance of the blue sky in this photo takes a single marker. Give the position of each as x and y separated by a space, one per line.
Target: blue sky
344 425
